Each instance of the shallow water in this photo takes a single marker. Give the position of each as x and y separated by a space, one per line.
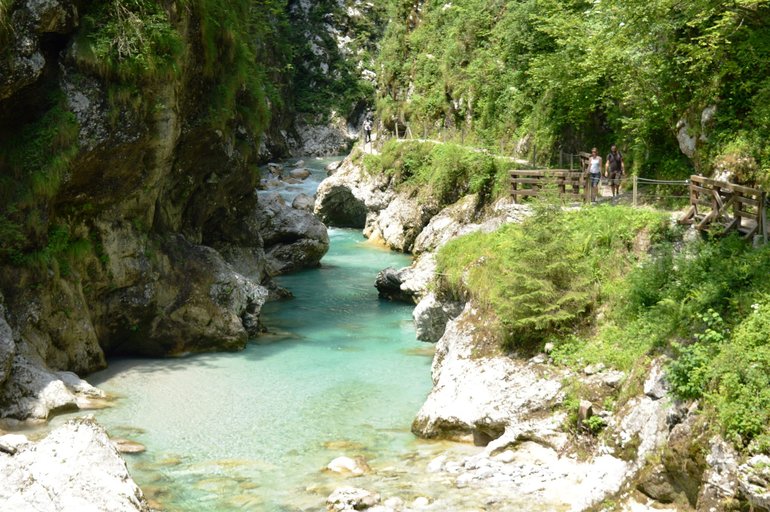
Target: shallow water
338 374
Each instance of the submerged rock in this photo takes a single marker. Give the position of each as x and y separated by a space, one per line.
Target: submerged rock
75 467
346 465
351 498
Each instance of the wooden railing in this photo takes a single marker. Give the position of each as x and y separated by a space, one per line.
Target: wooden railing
733 207
568 184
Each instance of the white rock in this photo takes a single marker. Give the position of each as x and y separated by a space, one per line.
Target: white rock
75 467
656 385
351 498
347 465
421 502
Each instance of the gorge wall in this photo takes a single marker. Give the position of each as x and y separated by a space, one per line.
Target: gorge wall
131 134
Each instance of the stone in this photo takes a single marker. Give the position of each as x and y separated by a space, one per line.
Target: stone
548 347
388 284
656 385
351 498
128 446
658 485
420 502
720 480
585 411
332 167
431 316
394 503
754 481
299 173
303 202
75 467
593 369
347 465
487 394
293 239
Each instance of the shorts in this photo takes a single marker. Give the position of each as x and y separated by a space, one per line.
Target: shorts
615 177
595 179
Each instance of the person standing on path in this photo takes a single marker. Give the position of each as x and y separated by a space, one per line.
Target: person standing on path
367 130
614 169
594 172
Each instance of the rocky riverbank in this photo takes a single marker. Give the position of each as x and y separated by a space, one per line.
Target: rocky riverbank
653 452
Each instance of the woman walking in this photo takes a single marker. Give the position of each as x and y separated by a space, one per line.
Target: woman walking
594 172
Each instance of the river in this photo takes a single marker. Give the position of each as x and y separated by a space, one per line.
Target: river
339 373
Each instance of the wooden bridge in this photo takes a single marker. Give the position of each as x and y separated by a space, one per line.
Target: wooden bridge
719 205
574 185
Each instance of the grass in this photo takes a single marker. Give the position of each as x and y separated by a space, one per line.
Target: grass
440 173
542 278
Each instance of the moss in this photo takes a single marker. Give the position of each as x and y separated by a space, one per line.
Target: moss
33 163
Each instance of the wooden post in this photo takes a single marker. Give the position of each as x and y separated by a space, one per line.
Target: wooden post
635 196
397 137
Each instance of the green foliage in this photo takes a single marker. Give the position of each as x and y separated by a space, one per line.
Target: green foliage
442 173
5 23
574 74
595 424
33 163
541 278
739 386
129 40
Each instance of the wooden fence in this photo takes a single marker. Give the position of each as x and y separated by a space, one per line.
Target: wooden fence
726 205
574 185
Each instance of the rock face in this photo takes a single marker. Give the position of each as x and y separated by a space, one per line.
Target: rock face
153 238
431 317
75 467
482 394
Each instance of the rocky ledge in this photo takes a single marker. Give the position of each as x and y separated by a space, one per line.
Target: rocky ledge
76 467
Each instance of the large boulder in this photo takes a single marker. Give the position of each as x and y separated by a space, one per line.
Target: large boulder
75 467
346 198
473 394
293 239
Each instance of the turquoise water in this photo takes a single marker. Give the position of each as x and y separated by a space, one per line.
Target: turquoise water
339 374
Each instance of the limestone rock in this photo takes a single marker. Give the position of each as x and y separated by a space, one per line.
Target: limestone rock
486 394
293 239
351 498
754 481
303 202
346 465
431 316
7 345
462 218
720 481
656 385
317 138
300 173
75 467
399 224
345 199
388 284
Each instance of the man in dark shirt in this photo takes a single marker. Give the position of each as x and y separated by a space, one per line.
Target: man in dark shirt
614 169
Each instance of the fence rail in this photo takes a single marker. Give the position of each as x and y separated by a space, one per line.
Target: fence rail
733 207
534 182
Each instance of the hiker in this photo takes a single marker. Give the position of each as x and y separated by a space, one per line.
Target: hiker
367 130
594 172
614 169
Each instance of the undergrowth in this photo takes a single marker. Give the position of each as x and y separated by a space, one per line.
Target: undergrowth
441 173
609 285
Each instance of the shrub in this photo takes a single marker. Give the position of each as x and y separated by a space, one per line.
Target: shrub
540 279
